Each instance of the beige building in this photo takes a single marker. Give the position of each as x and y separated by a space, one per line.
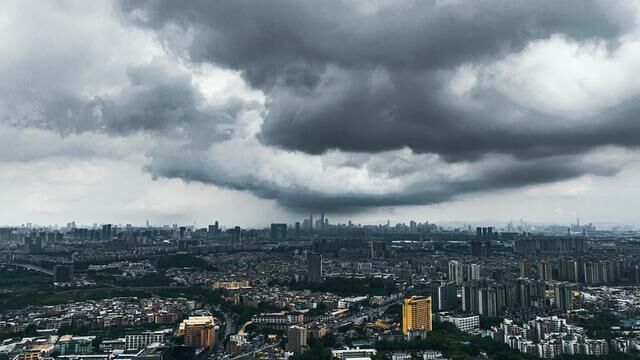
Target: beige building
199 331
232 285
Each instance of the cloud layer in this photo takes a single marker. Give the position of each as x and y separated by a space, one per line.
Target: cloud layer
338 106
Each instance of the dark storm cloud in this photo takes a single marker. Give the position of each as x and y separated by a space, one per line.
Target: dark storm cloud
413 111
272 41
352 77
319 66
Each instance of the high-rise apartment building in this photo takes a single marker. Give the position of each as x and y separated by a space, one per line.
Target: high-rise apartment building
62 273
481 245
199 331
444 294
563 295
278 232
106 234
416 314
461 272
315 268
297 339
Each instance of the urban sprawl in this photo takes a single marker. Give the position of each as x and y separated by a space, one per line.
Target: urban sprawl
318 290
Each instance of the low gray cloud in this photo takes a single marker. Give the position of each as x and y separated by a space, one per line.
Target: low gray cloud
418 181
155 101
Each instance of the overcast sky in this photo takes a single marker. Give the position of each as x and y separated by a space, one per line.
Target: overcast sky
251 112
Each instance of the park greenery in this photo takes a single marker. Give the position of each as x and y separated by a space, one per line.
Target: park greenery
319 349
184 260
599 326
17 279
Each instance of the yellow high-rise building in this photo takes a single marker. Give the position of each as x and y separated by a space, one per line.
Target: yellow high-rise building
199 331
416 314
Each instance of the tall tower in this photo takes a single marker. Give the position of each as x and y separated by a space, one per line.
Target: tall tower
416 314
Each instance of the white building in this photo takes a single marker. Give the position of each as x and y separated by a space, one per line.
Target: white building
401 356
143 339
464 323
354 354
282 318
432 355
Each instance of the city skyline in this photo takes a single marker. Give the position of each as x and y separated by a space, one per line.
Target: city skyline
178 114
325 225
